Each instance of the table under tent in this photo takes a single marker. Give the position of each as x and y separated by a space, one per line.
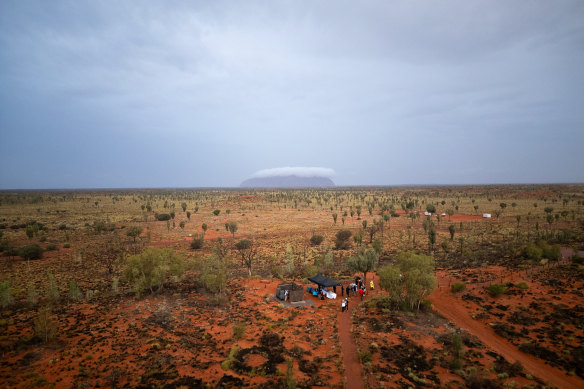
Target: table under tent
295 292
324 287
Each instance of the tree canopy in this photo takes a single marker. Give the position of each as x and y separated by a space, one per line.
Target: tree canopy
410 280
149 270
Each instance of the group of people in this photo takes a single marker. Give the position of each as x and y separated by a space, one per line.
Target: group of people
355 287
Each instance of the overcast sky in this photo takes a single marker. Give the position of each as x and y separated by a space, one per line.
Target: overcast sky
197 94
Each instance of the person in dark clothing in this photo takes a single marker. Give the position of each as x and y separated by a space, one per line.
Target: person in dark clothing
342 290
334 289
348 290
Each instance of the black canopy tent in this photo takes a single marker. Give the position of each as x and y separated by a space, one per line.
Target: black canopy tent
323 281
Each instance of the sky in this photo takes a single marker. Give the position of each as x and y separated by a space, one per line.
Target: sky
135 94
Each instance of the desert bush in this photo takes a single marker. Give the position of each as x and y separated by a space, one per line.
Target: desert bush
288 381
522 285
197 242
6 298
578 260
226 364
458 287
31 251
149 270
213 274
410 281
216 212
162 216
238 330
377 246
67 245
52 290
115 285
51 247
532 251
32 296
364 262
551 252
365 356
45 326
316 240
74 291
342 242
497 289
134 232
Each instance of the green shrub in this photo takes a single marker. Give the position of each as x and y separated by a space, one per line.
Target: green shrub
67 245
151 268
316 240
31 251
238 330
197 242
365 357
53 291
74 292
162 216
216 212
45 326
51 247
496 290
6 298
342 242
32 296
458 287
226 364
213 274
522 285
532 251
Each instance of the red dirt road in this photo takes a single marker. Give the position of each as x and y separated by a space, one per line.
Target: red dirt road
352 364
453 309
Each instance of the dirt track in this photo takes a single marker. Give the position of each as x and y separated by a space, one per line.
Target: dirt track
451 307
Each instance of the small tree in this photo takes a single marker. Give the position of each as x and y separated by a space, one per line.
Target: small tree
150 269
233 228
430 208
378 246
198 241
184 207
204 227
214 274
189 215
52 291
247 253
134 232
342 242
6 298
31 251
410 281
335 218
451 229
45 326
316 240
364 262
216 212
74 291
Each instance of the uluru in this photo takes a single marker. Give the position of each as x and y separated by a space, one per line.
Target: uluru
290 177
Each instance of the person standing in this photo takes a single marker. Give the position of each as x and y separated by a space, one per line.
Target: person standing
371 285
342 290
348 290
361 293
343 306
346 304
